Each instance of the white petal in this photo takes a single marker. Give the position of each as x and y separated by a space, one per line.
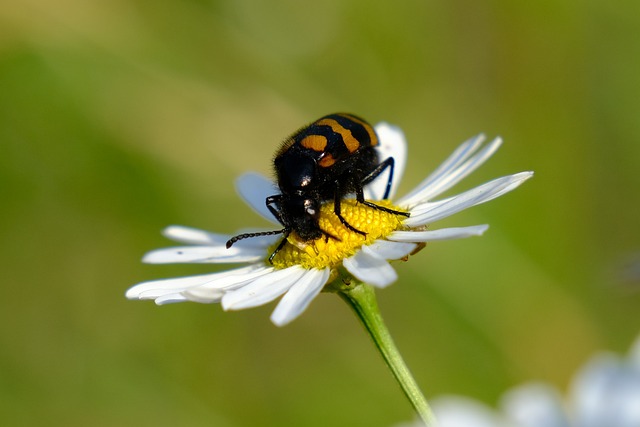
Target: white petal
392 144
157 288
194 236
449 180
442 234
535 405
205 254
453 411
429 212
214 290
298 298
454 161
607 392
391 250
263 289
170 299
254 189
370 268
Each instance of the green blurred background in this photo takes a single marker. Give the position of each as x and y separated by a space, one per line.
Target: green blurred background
119 118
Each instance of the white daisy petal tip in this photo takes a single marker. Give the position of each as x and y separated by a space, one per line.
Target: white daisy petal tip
525 175
471 144
131 293
480 230
386 130
193 236
391 142
436 235
175 231
148 290
516 180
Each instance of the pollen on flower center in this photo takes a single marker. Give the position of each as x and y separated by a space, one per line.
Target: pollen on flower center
329 252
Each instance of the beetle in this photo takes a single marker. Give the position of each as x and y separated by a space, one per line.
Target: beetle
329 159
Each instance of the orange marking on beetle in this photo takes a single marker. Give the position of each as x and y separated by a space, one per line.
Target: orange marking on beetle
314 142
327 160
350 142
372 134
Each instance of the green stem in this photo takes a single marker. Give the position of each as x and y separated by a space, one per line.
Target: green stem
362 299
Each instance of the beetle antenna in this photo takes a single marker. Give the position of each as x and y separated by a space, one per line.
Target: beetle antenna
232 240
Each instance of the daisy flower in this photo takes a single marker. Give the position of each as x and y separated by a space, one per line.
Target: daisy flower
604 393
301 270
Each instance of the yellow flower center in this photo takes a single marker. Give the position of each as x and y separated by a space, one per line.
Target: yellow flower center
329 251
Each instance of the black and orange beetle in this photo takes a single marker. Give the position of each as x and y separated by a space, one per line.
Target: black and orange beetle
327 160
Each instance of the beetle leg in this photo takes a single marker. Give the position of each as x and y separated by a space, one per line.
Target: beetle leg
360 199
276 212
280 246
336 209
387 163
